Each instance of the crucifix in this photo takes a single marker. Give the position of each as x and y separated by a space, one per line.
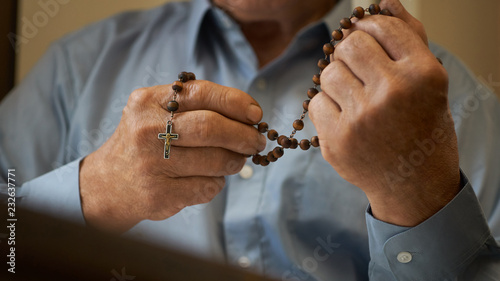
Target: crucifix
168 136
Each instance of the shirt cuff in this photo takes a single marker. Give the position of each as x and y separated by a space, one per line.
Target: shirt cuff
56 193
437 249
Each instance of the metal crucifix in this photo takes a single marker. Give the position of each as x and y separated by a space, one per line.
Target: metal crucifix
167 136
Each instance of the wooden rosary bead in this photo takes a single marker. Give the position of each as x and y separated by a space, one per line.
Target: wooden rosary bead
323 63
172 106
386 12
337 35
305 144
305 105
286 142
272 135
183 77
298 124
312 92
278 152
263 161
315 141
328 49
317 79
270 157
358 12
374 9
295 143
262 127
256 159
177 86
345 23
191 76
280 139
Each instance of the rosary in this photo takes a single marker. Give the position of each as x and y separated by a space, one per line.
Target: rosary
284 142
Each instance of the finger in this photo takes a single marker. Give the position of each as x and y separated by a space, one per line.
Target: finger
323 110
206 161
203 128
394 35
363 56
341 84
205 95
398 10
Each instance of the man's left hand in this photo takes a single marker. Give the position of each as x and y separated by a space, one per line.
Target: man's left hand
383 118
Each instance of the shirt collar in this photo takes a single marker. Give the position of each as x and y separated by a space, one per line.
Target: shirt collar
201 9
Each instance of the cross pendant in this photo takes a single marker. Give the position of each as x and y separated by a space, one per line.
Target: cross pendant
168 136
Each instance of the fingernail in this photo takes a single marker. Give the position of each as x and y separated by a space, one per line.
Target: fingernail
254 113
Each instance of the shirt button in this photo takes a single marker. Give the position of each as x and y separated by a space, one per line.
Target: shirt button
246 172
404 257
244 262
262 84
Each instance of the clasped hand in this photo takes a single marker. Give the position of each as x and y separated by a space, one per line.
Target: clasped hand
127 180
384 93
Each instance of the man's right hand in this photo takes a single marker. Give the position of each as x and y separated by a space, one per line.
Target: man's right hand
127 180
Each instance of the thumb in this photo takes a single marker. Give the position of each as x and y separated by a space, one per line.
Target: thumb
398 10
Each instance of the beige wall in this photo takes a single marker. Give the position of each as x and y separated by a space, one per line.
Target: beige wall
470 29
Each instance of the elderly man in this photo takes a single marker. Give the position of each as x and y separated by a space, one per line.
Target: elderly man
82 133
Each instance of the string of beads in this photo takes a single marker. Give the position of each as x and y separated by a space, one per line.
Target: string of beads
291 142
288 142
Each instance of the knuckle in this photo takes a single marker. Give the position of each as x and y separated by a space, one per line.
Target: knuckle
352 44
138 96
206 123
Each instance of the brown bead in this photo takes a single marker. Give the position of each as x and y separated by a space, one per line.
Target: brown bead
191 76
280 139
374 9
305 144
328 49
298 124
337 35
286 142
177 86
183 77
272 135
295 143
172 106
270 157
317 79
312 92
323 63
315 141
345 23
263 127
358 12
256 159
386 12
263 161
278 152
305 105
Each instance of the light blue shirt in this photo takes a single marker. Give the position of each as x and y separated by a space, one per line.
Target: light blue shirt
296 219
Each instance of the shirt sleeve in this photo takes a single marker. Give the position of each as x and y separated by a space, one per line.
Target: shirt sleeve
440 248
56 193
34 130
